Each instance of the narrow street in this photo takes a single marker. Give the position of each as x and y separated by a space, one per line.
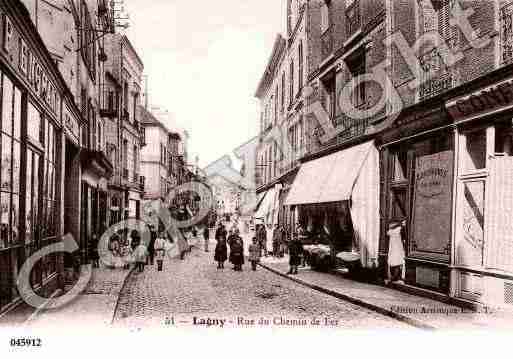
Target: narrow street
194 288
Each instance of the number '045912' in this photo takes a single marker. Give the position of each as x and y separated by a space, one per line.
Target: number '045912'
25 342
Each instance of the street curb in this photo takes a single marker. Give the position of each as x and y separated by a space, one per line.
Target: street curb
119 295
402 318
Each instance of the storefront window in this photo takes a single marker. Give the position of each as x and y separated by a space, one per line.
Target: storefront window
10 163
7 105
475 150
504 139
33 123
399 204
49 194
400 166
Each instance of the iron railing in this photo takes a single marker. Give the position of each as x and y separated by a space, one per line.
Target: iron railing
435 76
353 18
507 34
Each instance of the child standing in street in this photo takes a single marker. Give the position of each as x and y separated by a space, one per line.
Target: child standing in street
255 252
140 255
160 251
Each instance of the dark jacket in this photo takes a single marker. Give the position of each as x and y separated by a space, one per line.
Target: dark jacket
221 252
236 249
295 252
221 233
151 245
206 233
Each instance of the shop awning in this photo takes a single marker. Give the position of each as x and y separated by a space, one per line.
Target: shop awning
330 178
266 205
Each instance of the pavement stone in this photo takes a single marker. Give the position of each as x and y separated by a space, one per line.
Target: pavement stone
419 311
195 288
94 307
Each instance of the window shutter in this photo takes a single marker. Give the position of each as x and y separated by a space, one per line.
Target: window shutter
498 214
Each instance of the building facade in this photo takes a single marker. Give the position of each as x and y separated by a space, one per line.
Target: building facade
121 110
161 160
283 120
426 140
49 143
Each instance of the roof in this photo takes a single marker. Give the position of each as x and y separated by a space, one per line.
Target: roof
278 50
127 41
148 119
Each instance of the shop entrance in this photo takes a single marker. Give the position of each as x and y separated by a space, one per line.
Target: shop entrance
71 196
421 193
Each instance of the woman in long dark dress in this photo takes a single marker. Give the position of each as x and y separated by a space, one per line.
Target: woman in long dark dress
236 250
221 252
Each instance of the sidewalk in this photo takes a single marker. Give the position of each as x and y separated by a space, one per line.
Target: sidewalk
95 307
414 310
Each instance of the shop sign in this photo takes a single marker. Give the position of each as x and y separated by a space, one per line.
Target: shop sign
29 65
430 182
72 125
432 205
489 99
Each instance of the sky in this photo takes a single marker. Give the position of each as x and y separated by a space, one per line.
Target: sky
204 60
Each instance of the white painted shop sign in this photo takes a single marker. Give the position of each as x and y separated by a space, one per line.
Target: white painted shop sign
29 65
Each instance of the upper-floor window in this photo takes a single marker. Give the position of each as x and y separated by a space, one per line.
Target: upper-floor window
330 98
356 66
135 104
353 20
325 17
300 67
282 91
507 33
276 105
271 111
436 76
87 39
291 82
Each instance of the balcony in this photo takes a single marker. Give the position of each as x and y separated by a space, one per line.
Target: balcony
327 43
353 18
435 77
350 128
109 108
507 34
125 115
142 136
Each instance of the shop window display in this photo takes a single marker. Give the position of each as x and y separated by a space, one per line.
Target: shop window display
327 230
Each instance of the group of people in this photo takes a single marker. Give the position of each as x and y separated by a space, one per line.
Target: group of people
273 241
125 251
258 247
236 244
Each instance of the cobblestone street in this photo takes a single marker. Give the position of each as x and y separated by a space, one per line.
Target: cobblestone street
194 288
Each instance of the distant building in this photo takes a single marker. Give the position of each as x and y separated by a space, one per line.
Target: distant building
161 164
120 108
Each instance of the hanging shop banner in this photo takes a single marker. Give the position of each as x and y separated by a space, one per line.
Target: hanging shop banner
432 206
